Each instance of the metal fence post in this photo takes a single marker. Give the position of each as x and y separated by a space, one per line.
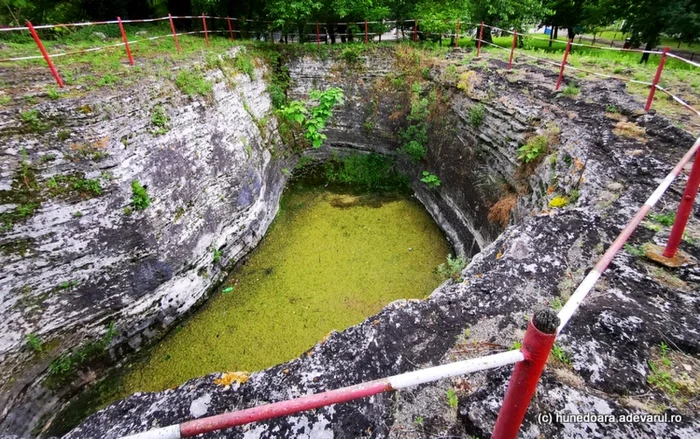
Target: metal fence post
538 341
512 48
172 27
684 210
204 24
478 43
563 64
230 29
38 42
657 78
126 41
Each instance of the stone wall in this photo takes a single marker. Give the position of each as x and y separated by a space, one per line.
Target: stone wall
84 264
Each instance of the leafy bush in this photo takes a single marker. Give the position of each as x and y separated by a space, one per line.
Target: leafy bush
431 180
571 90
351 55
415 136
452 269
139 196
34 343
535 148
193 83
370 172
414 150
665 219
313 121
476 115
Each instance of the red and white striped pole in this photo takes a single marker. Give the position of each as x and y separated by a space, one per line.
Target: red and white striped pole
204 24
563 64
345 394
685 207
478 43
38 42
366 32
457 36
318 34
230 29
512 48
172 28
126 41
538 341
657 78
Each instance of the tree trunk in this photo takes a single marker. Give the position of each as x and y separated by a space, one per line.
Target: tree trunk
487 35
645 56
551 35
570 33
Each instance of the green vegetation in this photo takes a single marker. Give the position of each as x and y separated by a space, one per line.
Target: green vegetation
312 121
415 136
560 355
430 180
34 343
217 255
192 83
108 79
365 172
244 63
452 268
139 196
31 118
476 115
634 251
665 219
533 150
556 304
66 185
452 399
571 90
160 120
351 54
52 93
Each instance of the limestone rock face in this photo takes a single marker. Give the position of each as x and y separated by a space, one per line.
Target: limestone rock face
84 263
539 259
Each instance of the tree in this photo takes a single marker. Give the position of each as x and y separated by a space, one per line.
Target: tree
506 13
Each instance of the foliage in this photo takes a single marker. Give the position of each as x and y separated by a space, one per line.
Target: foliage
160 120
535 148
193 83
369 172
34 343
476 115
415 136
452 269
557 304
31 117
500 212
64 185
558 202
665 219
351 54
217 255
431 180
560 355
65 365
452 399
571 90
634 251
313 120
244 63
139 196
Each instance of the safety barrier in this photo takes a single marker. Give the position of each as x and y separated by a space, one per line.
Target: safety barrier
529 360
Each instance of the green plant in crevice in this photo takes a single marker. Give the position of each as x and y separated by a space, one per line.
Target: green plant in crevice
216 255
351 54
193 83
665 219
52 93
31 118
34 343
139 196
367 172
244 63
560 355
452 399
634 251
571 90
535 148
415 136
558 202
452 268
312 121
476 115
160 120
430 180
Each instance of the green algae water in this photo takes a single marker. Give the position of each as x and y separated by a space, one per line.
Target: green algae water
329 260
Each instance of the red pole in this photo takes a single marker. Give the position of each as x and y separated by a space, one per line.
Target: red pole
526 374
126 41
318 35
366 33
660 69
457 36
172 27
230 30
206 34
512 48
415 30
563 64
46 55
684 210
481 36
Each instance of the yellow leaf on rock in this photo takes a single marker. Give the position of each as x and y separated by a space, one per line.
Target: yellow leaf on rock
230 377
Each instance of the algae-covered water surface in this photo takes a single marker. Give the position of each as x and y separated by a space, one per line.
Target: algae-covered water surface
329 260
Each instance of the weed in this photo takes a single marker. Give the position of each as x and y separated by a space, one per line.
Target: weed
48 158
217 255
610 108
193 83
630 130
571 90
557 304
452 399
661 379
108 79
139 196
64 185
128 211
476 115
77 214
517 345
558 202
31 117
634 251
34 343
665 219
418 420
351 55
53 93
560 355
574 195
370 172
245 64
535 148
452 268
160 120
430 180
63 135
4 100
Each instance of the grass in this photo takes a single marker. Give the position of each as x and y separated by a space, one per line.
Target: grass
160 120
193 83
476 115
139 197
